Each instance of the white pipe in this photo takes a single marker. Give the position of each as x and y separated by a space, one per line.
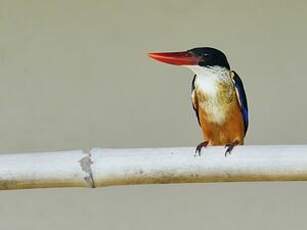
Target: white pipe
106 167
41 170
178 165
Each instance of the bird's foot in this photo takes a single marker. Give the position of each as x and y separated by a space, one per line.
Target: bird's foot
230 147
199 147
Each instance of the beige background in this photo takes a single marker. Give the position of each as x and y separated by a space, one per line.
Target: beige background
74 74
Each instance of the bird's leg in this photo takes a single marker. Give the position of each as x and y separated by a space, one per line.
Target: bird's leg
230 147
203 144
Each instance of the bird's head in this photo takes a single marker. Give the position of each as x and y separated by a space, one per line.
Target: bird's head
195 59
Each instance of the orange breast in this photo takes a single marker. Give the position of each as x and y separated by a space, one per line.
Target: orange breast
226 132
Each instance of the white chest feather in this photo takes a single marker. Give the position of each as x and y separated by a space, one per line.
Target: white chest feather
213 84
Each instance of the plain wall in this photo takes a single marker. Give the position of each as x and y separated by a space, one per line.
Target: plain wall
75 74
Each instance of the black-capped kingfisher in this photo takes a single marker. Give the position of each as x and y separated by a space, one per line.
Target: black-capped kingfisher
218 96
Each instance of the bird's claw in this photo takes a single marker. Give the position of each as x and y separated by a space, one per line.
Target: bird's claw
199 147
228 151
230 148
197 151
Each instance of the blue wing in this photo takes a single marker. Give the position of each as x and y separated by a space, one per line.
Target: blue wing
194 100
241 98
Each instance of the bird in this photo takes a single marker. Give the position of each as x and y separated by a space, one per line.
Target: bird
218 96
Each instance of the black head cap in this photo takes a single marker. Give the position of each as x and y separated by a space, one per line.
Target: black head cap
210 57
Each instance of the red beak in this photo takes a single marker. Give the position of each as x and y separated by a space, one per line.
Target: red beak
176 58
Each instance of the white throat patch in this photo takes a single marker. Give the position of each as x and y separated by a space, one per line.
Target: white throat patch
208 78
208 82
